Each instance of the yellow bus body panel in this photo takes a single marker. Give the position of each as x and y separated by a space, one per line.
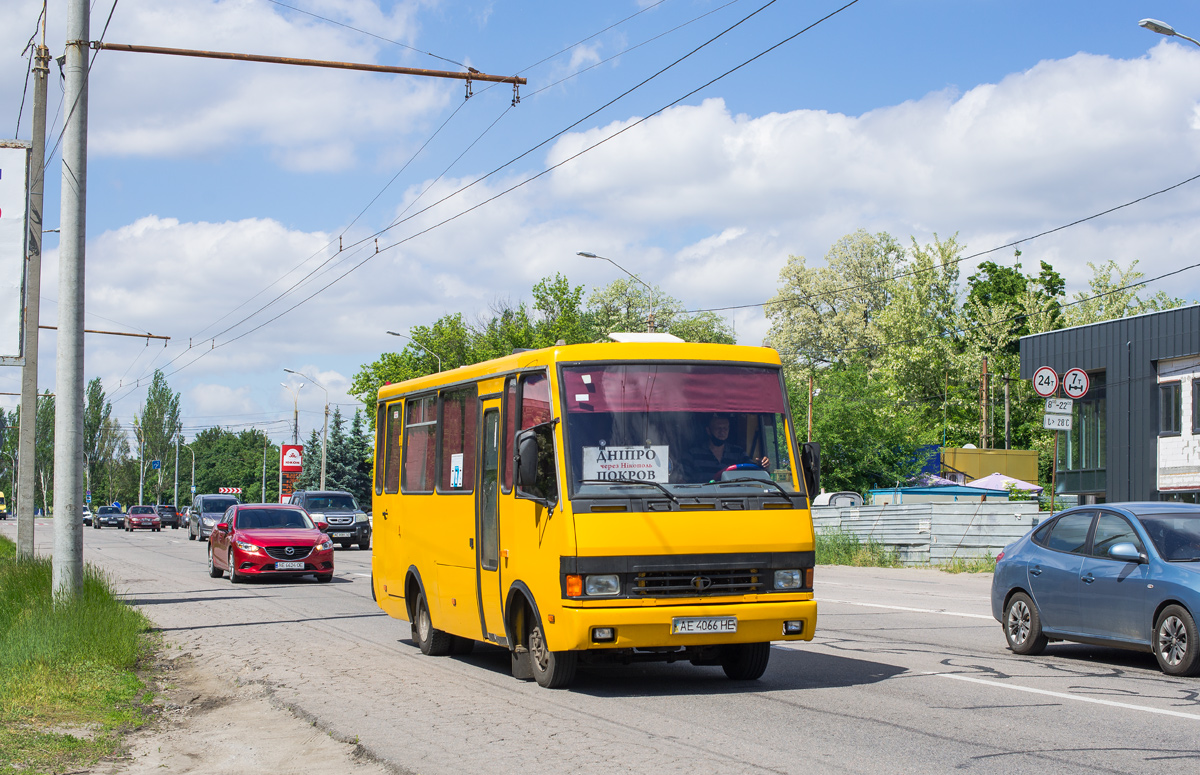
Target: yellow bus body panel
433 533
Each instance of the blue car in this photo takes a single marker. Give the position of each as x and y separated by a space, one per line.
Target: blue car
1118 574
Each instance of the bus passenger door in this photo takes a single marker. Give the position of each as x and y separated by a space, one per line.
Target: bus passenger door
487 525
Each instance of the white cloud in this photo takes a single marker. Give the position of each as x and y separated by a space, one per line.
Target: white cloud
706 203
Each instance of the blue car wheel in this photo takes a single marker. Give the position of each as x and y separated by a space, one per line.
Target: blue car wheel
1176 646
1023 626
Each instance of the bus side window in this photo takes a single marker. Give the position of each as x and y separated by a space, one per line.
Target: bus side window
380 446
510 432
420 428
534 397
457 454
388 429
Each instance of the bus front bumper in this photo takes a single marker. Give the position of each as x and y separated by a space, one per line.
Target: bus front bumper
642 627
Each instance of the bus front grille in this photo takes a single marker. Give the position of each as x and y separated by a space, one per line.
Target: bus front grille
698 583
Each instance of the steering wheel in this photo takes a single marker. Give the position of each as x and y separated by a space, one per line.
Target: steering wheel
744 467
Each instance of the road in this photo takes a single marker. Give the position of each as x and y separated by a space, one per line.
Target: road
908 673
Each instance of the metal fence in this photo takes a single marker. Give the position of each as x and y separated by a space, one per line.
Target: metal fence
933 533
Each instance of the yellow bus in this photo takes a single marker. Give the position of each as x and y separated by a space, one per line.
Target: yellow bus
617 501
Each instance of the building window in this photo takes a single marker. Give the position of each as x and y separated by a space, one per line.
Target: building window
1083 448
1170 406
1195 405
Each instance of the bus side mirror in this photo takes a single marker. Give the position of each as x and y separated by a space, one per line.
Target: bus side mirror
534 465
810 465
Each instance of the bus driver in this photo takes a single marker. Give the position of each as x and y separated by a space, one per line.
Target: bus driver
717 453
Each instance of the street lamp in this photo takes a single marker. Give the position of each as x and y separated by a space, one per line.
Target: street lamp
1162 28
650 320
418 344
325 430
295 410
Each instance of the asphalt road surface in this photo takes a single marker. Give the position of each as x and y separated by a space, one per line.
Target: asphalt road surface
908 673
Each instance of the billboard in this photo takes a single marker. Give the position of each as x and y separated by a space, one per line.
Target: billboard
291 458
14 198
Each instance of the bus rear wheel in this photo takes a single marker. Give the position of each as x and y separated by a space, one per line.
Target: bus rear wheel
432 641
746 661
551 669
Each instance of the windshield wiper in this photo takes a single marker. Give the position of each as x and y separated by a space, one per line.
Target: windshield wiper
665 491
746 479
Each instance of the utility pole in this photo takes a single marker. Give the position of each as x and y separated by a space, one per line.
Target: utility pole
141 465
983 418
176 501
68 373
1007 418
27 431
266 443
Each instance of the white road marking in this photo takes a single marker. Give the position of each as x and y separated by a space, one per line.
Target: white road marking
364 575
1065 696
906 608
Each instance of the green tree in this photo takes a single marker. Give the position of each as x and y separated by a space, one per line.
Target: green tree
1113 293
825 314
8 453
310 472
624 305
866 438
228 459
362 456
44 451
156 428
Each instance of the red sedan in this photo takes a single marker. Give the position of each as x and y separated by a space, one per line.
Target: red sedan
254 540
142 518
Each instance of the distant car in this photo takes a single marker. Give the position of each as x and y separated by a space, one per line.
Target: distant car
1118 574
348 524
142 518
269 539
168 515
87 516
108 515
207 511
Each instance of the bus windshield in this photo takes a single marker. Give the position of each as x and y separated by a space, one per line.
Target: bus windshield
686 428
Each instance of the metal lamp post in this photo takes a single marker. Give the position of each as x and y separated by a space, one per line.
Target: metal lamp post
325 430
295 409
650 320
1162 28
418 344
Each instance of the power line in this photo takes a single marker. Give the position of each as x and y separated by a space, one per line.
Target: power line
553 167
323 264
981 253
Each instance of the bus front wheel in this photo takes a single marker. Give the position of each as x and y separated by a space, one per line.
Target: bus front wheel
432 642
551 669
746 661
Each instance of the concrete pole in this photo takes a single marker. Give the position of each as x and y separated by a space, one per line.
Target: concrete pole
141 467
324 439
264 476
68 379
176 501
27 430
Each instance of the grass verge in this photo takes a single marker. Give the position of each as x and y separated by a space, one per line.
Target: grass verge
68 685
985 564
840 547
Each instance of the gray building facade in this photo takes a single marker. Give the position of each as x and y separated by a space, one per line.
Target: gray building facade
1142 406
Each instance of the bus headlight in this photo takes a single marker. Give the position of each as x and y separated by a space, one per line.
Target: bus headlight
787 579
609 584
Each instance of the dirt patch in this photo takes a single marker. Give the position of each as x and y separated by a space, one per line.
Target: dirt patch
210 722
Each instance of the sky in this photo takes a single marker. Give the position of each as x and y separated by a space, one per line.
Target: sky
734 135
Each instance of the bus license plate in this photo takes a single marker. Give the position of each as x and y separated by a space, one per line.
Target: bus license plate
289 566
703 625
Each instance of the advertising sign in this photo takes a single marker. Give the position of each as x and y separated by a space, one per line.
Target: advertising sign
291 458
14 196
